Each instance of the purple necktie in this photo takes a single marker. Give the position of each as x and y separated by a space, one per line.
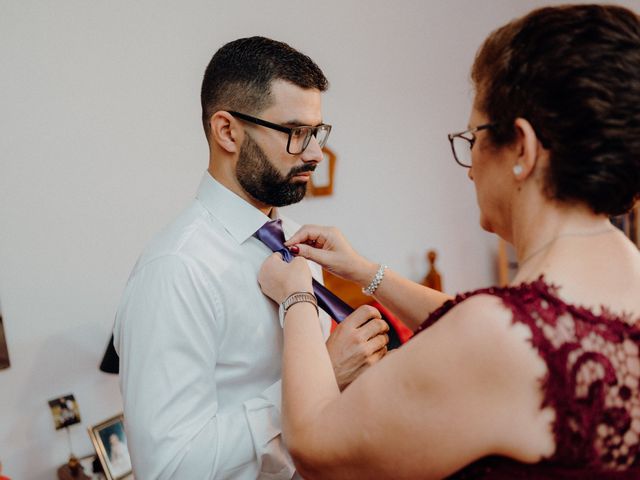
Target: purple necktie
272 236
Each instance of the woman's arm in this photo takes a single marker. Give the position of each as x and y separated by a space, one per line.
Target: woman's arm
410 302
466 388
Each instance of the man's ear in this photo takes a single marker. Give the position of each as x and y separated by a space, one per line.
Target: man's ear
224 130
528 149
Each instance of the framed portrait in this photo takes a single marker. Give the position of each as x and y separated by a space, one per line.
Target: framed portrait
110 442
65 411
322 178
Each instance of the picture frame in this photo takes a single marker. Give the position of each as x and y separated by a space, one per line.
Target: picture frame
322 179
87 467
65 411
110 442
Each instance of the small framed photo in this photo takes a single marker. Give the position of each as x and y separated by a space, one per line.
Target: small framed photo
87 464
110 443
65 411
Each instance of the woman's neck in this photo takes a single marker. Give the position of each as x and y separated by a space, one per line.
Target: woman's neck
537 233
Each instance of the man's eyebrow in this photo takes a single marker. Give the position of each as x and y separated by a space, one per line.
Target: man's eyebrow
298 123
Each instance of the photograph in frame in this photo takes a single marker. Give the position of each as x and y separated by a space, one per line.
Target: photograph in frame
87 467
110 443
65 411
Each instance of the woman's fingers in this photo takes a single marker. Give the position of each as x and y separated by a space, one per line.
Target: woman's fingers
322 257
315 235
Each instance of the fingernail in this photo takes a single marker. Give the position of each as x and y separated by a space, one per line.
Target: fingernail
294 249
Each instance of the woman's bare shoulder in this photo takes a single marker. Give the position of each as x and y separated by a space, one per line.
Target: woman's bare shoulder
489 358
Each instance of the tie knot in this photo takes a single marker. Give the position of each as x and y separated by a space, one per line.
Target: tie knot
272 236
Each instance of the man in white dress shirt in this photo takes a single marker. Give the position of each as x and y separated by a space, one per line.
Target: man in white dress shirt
200 345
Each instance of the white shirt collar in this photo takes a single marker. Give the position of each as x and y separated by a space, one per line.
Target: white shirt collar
236 215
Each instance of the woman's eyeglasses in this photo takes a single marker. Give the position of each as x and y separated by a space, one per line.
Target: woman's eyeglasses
462 143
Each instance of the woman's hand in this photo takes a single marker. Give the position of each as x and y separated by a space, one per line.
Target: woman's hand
279 279
328 247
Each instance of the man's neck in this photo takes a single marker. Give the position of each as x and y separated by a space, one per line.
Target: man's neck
231 183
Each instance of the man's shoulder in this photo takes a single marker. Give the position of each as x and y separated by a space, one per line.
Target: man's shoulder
190 234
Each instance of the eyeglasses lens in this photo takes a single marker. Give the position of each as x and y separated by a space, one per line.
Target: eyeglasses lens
301 136
322 134
462 149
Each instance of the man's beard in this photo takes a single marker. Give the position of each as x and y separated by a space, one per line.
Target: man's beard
262 181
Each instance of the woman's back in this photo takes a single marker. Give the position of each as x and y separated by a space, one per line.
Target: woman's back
591 383
593 271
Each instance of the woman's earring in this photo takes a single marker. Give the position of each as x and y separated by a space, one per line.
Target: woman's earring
517 170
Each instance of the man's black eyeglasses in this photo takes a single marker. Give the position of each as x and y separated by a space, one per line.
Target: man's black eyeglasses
299 137
462 143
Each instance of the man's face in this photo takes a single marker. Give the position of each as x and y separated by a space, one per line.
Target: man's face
264 169
262 180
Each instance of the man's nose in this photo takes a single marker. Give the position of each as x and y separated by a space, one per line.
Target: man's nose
313 152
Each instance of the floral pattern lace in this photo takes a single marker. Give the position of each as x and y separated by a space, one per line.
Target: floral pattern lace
592 383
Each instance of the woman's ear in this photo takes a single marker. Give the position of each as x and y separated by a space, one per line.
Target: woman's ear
224 132
527 148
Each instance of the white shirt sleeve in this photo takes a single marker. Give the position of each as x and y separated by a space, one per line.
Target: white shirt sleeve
167 337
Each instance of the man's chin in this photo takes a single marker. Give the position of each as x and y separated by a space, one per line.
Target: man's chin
295 196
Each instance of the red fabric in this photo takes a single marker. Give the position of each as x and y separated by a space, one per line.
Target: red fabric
592 383
404 332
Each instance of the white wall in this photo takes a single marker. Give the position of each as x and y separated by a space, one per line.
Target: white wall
101 145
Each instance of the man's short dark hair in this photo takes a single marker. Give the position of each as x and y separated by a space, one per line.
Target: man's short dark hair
240 74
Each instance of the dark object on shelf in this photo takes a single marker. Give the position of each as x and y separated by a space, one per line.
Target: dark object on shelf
97 466
110 361
72 470
433 279
4 351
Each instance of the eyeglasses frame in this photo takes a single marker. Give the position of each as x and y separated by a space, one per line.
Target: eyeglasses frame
282 128
472 140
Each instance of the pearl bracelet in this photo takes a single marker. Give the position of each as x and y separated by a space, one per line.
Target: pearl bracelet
375 283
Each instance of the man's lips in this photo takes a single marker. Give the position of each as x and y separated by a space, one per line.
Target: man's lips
302 174
305 175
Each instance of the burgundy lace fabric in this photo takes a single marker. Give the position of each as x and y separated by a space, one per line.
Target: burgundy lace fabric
592 383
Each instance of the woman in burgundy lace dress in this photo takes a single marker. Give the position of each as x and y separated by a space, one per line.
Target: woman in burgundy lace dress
535 380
